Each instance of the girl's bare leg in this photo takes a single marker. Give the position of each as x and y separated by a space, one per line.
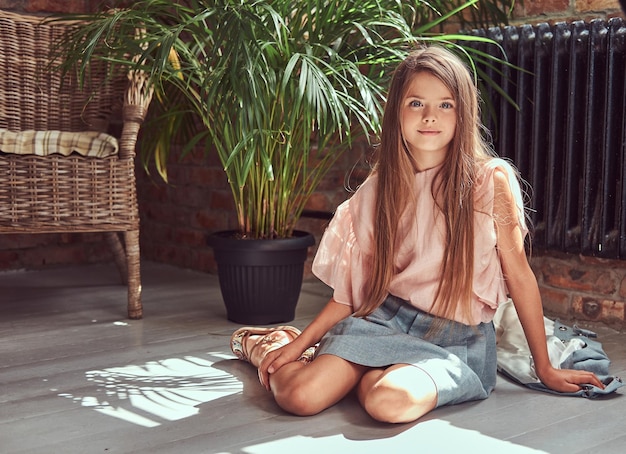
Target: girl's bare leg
300 388
398 394
307 389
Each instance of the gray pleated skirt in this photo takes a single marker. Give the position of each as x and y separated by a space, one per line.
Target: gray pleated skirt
460 359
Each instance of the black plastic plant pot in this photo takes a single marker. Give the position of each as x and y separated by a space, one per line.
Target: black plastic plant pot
260 280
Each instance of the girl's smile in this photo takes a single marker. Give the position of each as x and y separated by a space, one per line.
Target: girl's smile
428 132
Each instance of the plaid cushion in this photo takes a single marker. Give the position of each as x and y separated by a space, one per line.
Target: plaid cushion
42 143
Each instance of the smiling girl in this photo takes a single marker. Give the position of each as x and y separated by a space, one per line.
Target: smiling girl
418 259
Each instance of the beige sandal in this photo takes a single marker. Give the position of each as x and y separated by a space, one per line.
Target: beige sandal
308 355
239 338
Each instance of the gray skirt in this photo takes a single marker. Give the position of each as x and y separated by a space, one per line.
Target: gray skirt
460 359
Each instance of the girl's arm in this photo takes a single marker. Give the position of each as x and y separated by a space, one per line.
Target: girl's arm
524 291
329 316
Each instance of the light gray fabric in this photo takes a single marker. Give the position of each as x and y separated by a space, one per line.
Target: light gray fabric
568 348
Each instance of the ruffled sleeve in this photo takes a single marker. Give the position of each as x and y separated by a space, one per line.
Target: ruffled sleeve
489 284
342 259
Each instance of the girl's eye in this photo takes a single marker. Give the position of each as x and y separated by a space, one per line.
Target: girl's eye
415 103
447 105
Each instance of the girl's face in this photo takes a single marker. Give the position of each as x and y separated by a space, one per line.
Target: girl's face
428 120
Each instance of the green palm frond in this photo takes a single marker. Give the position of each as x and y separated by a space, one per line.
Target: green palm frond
278 89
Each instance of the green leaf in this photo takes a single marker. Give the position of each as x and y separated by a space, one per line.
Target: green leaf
263 82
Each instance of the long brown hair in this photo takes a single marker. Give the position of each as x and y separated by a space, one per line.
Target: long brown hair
452 189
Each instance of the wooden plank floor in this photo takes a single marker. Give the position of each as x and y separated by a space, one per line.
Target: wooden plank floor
77 377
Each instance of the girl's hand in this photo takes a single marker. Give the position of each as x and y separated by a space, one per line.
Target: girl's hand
276 359
332 313
568 380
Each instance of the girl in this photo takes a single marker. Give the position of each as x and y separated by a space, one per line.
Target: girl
418 259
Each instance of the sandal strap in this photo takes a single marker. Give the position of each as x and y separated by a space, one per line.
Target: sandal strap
238 340
308 355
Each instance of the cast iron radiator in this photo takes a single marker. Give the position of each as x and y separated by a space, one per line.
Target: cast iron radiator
568 137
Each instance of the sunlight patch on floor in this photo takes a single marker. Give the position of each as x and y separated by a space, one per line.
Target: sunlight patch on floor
432 436
158 391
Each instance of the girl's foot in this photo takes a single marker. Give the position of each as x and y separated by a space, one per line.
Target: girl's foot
251 344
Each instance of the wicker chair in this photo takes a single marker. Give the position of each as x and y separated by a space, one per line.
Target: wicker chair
57 193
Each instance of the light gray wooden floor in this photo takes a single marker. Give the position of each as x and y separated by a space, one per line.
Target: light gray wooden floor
77 377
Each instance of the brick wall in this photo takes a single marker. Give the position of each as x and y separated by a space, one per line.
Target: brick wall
177 217
565 10
583 288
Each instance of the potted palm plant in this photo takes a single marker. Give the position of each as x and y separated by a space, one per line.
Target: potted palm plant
279 89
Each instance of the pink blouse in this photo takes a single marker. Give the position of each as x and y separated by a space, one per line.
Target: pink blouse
341 260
